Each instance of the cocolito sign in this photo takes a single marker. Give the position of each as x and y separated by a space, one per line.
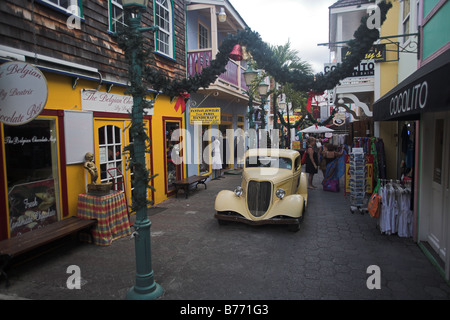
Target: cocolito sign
411 98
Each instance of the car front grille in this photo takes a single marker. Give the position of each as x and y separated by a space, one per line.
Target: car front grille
258 197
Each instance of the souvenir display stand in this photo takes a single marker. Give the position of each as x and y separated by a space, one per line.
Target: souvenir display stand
357 180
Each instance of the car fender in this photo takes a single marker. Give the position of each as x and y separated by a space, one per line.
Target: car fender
227 200
303 187
291 206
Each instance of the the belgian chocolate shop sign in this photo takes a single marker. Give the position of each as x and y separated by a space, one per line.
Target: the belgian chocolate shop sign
23 92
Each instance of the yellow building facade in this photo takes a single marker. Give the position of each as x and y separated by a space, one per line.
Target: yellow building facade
45 157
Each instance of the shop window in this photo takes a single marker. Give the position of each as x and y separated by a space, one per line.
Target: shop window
110 152
32 175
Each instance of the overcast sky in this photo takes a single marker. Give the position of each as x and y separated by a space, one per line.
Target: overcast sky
303 22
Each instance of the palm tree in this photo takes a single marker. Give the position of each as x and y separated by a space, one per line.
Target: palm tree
289 57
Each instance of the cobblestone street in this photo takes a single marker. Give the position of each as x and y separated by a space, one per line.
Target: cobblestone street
194 258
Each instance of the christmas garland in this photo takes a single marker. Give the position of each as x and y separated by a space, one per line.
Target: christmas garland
263 55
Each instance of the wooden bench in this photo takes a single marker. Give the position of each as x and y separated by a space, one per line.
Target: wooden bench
28 241
185 183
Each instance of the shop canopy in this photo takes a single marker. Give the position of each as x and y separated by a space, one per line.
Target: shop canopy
426 90
316 129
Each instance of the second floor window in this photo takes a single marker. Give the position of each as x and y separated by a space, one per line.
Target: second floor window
116 15
203 37
163 19
65 5
406 18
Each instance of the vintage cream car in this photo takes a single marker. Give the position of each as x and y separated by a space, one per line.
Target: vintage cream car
273 190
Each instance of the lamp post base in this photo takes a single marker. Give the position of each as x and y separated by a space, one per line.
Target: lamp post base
145 293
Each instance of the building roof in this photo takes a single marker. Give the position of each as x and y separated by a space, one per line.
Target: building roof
348 3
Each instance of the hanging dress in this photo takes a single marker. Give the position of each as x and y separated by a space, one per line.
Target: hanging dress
216 159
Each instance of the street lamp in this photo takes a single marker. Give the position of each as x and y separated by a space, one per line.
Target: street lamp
145 288
250 76
222 15
263 88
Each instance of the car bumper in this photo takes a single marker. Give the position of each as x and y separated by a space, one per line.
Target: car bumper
231 216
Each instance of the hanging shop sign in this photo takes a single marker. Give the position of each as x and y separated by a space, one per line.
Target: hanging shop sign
339 118
23 92
205 115
93 100
377 53
292 119
366 68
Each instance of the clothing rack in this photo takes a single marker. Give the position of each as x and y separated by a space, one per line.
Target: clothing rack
395 217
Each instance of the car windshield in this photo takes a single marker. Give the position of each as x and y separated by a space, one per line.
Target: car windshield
268 162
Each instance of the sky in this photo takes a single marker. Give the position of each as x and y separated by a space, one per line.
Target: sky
303 22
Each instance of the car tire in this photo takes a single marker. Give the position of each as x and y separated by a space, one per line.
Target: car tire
294 227
222 222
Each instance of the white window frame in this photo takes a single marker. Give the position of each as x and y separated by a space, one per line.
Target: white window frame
208 40
113 26
56 4
168 32
406 20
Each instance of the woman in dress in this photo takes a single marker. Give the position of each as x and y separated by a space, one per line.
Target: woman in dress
312 161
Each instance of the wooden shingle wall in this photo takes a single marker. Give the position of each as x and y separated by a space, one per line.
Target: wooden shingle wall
44 31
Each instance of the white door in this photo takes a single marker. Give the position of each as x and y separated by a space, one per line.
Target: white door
446 191
437 235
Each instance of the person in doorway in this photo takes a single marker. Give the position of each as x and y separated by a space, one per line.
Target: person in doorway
312 162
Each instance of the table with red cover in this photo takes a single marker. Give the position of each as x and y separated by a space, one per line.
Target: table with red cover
111 214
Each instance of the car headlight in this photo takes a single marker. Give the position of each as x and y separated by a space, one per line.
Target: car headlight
238 191
280 193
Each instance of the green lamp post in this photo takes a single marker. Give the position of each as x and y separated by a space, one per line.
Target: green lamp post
145 288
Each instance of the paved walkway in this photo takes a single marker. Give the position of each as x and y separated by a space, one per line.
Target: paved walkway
194 258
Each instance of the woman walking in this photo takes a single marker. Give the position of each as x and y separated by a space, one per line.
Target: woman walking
312 161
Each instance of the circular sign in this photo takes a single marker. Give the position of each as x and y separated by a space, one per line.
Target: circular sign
23 92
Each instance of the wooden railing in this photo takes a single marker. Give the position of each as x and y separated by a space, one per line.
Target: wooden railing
233 76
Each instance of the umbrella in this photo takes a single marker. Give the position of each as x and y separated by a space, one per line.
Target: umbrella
316 129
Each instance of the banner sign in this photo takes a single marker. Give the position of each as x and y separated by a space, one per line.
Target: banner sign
93 100
205 115
23 92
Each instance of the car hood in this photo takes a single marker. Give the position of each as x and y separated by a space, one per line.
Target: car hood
274 175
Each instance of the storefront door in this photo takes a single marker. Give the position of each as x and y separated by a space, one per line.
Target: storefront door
111 137
438 226
32 172
172 153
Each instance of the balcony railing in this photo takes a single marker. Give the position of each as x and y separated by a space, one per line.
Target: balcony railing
233 77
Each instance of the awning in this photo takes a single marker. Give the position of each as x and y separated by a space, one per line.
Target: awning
426 90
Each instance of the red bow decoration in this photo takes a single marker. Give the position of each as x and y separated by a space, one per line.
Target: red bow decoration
181 101
312 94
